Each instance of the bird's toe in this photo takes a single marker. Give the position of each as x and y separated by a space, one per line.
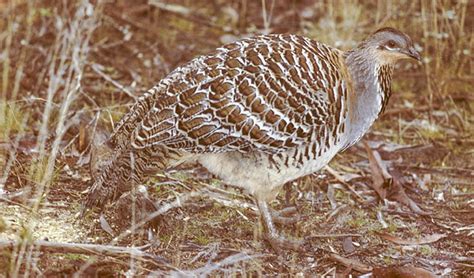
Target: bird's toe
286 216
280 243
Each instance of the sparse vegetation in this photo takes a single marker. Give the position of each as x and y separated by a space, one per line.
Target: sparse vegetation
69 70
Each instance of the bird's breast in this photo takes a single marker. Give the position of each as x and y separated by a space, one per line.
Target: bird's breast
261 174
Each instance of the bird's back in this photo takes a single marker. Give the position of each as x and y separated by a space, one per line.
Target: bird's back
268 93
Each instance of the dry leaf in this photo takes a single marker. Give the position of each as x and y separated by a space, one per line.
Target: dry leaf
105 225
380 176
401 272
388 183
347 245
397 192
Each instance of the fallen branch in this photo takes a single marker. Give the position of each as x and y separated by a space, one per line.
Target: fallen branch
87 249
235 260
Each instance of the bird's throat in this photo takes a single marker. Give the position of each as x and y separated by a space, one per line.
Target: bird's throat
371 84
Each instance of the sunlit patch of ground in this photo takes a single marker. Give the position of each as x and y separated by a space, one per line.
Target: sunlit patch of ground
56 223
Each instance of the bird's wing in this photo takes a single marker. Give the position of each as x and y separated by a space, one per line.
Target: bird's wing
269 93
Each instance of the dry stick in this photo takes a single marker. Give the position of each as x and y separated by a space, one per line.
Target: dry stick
210 266
11 202
361 267
334 212
333 235
184 12
338 177
233 203
87 249
97 69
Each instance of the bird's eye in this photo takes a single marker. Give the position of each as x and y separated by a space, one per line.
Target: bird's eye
391 45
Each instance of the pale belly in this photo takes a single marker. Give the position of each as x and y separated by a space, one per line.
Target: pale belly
259 174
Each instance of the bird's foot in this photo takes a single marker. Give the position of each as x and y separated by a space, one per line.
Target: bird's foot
286 216
277 241
280 243
98 195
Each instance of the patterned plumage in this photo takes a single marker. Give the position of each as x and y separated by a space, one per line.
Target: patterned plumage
254 94
257 112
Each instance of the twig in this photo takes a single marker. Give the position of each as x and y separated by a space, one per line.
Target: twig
350 263
87 249
333 235
186 13
334 212
97 69
11 202
206 270
338 177
228 202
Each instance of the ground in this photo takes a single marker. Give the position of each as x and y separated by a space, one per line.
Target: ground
399 201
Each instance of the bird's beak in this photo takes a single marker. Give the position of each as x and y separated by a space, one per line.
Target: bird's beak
412 53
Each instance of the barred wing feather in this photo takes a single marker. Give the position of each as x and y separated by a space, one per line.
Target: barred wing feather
269 94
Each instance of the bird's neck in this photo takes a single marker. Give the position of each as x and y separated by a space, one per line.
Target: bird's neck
371 82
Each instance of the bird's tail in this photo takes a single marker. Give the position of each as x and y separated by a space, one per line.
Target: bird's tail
112 176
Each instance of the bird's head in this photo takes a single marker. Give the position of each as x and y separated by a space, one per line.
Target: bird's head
390 45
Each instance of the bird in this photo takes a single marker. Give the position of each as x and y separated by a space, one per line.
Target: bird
256 113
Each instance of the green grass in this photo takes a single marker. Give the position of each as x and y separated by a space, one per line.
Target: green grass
360 219
12 119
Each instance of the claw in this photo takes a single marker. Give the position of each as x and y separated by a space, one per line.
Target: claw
277 241
280 243
288 211
283 216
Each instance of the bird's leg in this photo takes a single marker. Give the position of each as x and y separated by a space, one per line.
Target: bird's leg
277 241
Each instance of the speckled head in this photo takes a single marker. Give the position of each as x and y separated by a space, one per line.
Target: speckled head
390 45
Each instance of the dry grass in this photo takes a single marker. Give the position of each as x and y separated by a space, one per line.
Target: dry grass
70 68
